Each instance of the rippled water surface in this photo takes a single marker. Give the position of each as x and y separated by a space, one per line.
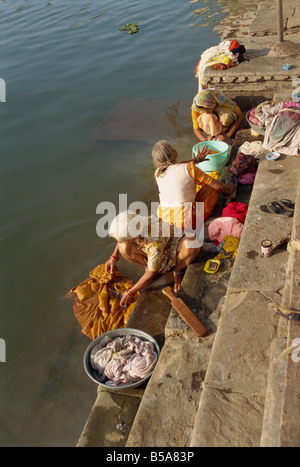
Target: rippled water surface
67 69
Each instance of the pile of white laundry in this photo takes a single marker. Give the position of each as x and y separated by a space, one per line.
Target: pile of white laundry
123 360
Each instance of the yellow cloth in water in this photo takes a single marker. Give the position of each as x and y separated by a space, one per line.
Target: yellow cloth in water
97 302
229 248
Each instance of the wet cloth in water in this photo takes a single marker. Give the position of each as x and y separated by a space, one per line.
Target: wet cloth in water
123 360
97 302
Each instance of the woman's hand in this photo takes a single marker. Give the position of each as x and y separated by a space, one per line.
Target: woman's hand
201 155
126 299
129 295
230 187
223 137
110 266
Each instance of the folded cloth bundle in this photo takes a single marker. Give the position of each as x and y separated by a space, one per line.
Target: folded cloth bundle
255 148
228 248
247 178
243 163
236 209
221 227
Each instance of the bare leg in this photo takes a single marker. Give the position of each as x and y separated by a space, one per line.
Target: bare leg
185 256
132 253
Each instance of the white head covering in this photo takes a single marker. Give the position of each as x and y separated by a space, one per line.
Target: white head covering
128 225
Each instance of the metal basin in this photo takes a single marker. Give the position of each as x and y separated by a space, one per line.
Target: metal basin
256 128
95 376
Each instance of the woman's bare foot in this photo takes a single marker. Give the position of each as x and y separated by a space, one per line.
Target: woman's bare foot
178 276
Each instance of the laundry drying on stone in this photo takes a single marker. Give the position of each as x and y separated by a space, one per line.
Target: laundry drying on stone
222 56
281 125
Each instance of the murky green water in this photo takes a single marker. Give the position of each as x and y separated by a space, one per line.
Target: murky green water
67 69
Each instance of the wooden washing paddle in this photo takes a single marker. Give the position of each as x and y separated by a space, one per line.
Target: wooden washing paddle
186 314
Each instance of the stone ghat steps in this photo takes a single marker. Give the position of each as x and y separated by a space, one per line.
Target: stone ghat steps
252 385
281 423
233 388
238 386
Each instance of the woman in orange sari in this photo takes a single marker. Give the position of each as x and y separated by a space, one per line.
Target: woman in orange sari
177 182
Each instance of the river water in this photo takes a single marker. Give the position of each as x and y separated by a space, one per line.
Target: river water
65 148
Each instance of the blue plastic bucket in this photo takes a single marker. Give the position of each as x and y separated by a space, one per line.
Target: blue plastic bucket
216 161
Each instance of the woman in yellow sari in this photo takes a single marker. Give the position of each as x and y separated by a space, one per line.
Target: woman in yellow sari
214 115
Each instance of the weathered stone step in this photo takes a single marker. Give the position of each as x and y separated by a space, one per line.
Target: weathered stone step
281 427
211 391
113 413
165 417
232 407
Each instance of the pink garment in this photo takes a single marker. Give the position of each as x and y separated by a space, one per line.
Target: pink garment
253 119
290 104
222 226
237 210
247 178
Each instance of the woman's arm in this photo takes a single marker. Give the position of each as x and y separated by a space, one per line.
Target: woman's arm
232 129
202 178
200 156
110 265
221 187
145 280
200 135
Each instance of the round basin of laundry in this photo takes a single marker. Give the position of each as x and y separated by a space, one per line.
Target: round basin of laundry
218 157
104 356
256 128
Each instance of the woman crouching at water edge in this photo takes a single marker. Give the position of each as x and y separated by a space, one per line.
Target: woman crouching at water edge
214 115
152 249
182 185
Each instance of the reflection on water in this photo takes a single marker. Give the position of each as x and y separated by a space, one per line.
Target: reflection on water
67 68
241 13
